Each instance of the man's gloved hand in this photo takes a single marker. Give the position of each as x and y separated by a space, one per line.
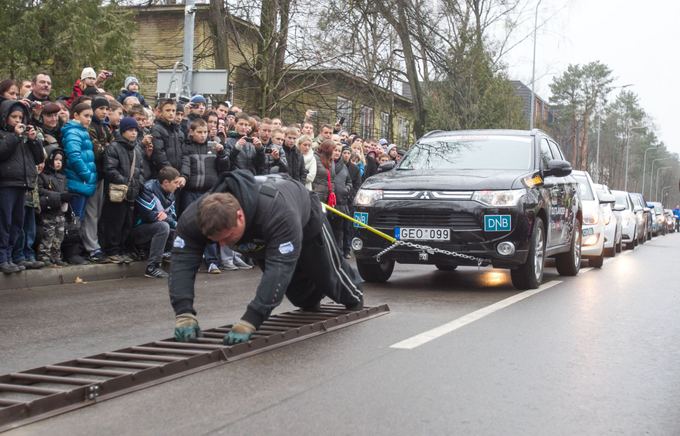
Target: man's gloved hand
240 332
186 328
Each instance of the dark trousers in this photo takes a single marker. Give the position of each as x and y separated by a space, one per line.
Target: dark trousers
116 222
11 220
52 237
347 234
212 250
23 247
337 227
157 234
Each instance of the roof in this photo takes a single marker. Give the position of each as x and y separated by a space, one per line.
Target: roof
487 132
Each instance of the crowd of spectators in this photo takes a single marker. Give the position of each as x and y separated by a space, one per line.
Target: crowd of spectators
102 178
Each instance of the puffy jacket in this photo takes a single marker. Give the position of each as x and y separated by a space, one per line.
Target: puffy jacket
152 200
124 93
80 169
168 141
117 163
200 168
342 185
247 158
320 182
18 155
296 164
101 136
51 184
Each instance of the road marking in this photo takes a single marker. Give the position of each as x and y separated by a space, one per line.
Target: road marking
585 270
425 337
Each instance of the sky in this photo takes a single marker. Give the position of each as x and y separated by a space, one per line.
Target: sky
637 40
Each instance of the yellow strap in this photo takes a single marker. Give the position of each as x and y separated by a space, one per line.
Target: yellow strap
366 226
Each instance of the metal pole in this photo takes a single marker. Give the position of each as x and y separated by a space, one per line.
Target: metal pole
625 182
533 71
664 195
597 153
644 167
656 190
651 175
188 52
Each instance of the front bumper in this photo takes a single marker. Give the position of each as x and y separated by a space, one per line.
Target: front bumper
465 219
593 241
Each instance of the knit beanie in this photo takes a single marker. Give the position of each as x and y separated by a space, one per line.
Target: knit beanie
88 73
128 123
98 102
198 98
130 80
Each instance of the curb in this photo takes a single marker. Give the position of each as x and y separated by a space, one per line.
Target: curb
59 276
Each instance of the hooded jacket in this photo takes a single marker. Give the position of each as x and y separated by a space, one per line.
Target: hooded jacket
18 155
168 141
80 169
201 168
342 185
117 163
51 184
246 158
296 164
125 93
279 213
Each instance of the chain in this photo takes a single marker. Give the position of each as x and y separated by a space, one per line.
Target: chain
430 250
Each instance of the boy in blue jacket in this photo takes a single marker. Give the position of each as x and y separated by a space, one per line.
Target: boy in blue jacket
131 89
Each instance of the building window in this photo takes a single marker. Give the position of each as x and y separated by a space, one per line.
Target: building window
344 110
384 125
366 122
404 131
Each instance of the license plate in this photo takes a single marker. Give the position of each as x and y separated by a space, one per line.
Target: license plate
589 231
422 234
497 223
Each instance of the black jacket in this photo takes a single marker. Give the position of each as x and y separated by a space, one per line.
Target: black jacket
279 216
51 184
342 185
18 155
296 164
117 163
355 176
247 158
200 168
168 141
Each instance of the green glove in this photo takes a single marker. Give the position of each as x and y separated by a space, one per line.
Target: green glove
186 328
240 332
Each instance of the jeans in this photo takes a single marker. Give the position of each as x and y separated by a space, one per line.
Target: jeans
78 205
11 220
158 233
23 248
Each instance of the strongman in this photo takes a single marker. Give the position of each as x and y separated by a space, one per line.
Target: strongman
277 222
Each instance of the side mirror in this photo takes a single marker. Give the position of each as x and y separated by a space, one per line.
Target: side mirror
558 168
619 208
606 198
387 166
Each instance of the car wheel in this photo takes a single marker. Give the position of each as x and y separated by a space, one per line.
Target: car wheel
442 267
596 262
610 252
619 246
375 272
530 275
569 264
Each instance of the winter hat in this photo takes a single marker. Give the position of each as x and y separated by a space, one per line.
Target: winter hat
391 147
51 108
88 73
98 102
346 148
180 108
128 123
383 142
129 80
198 98
91 91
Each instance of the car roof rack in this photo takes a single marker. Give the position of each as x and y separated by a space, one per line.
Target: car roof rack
431 132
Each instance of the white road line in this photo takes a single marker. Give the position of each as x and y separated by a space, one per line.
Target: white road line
585 270
625 253
425 337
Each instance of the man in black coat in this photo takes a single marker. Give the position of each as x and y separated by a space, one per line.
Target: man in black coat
279 224
355 176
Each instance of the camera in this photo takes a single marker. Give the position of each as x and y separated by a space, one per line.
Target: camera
211 146
268 150
248 139
341 121
108 74
36 104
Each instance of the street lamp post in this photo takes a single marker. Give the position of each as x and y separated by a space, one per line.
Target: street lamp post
628 133
651 175
644 167
663 196
656 191
533 71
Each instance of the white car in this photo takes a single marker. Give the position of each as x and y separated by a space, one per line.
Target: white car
592 245
625 209
612 223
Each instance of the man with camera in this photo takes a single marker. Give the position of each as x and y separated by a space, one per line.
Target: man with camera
246 152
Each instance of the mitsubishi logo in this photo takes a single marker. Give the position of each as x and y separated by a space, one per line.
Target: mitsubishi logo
425 195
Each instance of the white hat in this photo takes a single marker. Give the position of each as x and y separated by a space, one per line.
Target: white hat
88 73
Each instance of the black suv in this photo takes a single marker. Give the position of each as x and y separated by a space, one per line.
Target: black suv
505 197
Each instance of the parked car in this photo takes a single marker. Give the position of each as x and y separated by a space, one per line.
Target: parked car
592 247
612 223
505 196
644 214
631 224
658 218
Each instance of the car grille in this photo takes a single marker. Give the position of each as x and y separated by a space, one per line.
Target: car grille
426 218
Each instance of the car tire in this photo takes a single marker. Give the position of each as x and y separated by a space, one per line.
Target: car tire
610 252
596 262
569 264
530 274
442 267
375 272
619 246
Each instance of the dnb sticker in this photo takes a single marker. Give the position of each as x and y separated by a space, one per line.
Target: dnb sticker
361 217
497 223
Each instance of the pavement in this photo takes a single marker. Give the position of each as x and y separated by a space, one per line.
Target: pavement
593 354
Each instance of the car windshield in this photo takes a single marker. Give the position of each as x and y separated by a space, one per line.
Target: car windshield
584 188
470 152
621 200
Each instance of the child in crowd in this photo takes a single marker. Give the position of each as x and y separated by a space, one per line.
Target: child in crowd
54 200
304 144
81 170
115 115
20 153
131 89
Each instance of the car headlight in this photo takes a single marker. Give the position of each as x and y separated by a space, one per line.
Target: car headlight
607 213
368 197
590 218
499 198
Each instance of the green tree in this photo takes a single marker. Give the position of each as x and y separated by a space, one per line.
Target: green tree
61 37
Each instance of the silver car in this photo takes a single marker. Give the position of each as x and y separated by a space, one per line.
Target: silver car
632 225
612 223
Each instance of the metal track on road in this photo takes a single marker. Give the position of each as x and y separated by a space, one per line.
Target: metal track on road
38 393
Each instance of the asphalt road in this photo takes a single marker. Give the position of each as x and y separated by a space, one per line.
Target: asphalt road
594 354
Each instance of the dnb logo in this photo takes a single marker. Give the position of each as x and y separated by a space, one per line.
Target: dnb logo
361 217
497 223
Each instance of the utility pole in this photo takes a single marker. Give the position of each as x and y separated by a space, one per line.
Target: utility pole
188 52
658 173
533 71
644 168
651 175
